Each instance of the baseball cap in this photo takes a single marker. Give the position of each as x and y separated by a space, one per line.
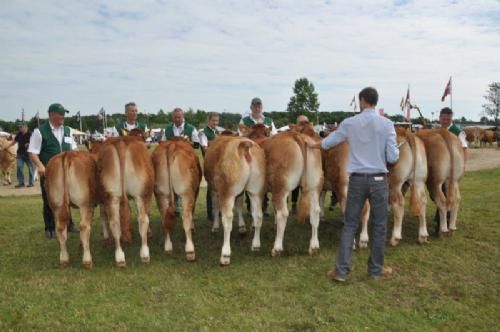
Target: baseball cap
57 108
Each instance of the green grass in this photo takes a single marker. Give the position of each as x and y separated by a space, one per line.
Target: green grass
449 284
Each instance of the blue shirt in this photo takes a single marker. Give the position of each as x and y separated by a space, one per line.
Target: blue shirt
372 142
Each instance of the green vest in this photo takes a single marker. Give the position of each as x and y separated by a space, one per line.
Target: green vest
50 144
169 131
454 129
210 133
120 127
249 122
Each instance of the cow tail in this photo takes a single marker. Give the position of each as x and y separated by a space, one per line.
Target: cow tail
450 185
64 214
170 213
414 199
125 214
304 200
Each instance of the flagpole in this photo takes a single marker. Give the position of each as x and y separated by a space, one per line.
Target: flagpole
451 94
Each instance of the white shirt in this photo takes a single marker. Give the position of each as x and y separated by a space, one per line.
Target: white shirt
461 137
274 131
179 131
129 127
372 142
36 139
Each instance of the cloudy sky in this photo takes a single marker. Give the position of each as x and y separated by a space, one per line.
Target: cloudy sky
217 55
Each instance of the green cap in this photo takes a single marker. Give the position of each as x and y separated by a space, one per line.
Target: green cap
57 108
256 101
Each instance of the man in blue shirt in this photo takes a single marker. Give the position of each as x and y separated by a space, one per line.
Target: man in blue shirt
372 144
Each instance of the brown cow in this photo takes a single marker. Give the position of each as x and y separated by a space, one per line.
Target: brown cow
488 137
125 169
289 162
7 160
234 165
71 180
445 160
177 171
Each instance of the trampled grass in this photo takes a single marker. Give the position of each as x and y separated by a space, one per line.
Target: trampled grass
449 284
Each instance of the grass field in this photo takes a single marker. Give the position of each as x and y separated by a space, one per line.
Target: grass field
450 284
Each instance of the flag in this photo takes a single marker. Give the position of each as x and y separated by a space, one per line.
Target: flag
381 111
402 104
408 118
78 116
447 90
353 101
37 115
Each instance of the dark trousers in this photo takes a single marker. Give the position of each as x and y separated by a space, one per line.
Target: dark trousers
376 190
48 216
209 206
295 195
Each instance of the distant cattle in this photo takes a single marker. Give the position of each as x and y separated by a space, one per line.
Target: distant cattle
445 160
125 169
234 165
177 172
7 160
71 180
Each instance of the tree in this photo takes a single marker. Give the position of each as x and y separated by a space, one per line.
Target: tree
492 107
305 101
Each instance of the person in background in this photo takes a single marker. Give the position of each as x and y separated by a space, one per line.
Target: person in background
52 138
131 122
208 134
23 140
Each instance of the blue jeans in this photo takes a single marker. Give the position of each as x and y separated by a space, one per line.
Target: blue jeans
376 190
20 161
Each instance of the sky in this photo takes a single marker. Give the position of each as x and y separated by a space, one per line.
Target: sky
217 55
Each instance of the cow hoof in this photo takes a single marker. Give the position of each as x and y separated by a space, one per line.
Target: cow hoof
225 260
169 252
446 234
64 264
88 265
255 249
145 260
190 256
121 264
423 240
242 230
313 251
363 244
275 253
394 242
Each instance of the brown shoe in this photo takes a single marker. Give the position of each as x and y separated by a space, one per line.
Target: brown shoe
333 276
386 272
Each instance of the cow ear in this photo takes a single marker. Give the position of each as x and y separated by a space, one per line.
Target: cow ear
244 129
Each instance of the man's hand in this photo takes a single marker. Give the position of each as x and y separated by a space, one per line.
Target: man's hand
40 169
311 143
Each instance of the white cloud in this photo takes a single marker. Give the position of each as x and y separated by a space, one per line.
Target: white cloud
217 55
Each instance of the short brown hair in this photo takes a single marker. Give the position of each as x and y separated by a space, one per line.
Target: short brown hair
127 105
212 114
370 95
446 110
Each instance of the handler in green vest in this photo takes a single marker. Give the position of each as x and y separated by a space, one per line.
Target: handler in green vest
446 121
52 138
208 134
179 128
122 128
257 116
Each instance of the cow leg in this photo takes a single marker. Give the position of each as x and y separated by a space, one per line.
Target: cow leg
85 226
398 209
227 222
143 204
113 212
440 201
104 223
280 206
187 220
167 213
423 235
322 198
241 221
454 209
314 213
215 211
363 236
256 205
61 220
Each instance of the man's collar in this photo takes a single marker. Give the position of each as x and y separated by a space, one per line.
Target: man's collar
255 120
181 126
368 110
52 127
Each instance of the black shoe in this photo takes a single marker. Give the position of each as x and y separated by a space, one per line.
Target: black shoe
19 186
31 185
73 229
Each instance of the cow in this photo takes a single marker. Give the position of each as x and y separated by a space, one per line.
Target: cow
233 165
446 165
177 172
7 160
488 137
71 181
289 163
125 169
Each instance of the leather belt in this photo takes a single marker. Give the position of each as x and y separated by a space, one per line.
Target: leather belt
368 174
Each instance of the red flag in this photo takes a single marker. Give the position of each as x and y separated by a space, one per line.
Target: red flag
381 111
408 118
407 101
447 90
